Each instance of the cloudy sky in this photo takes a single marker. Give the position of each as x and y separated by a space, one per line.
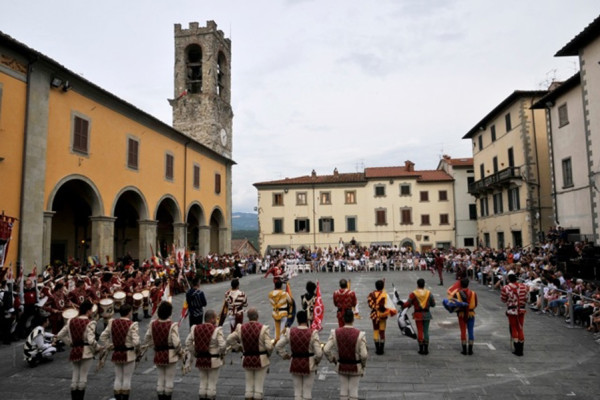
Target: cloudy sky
320 84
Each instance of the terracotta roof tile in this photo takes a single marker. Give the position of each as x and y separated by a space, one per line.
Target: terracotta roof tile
358 177
460 162
401 172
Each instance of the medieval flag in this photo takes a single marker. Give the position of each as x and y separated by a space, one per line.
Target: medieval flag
6 227
318 310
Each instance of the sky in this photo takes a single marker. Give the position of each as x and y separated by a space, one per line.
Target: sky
321 84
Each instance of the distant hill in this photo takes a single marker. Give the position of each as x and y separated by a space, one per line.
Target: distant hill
244 221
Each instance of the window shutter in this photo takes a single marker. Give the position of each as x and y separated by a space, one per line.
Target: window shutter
320 225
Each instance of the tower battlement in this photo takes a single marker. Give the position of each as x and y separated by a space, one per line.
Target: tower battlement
195 29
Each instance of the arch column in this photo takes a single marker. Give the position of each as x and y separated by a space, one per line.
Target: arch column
147 238
179 234
47 237
203 240
224 240
103 234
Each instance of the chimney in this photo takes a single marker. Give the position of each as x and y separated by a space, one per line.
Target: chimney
335 172
409 165
313 173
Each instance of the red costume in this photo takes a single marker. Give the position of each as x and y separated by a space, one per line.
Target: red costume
343 299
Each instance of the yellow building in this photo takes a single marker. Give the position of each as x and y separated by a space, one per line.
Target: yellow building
380 206
512 173
87 173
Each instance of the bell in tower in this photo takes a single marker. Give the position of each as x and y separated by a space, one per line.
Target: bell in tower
202 102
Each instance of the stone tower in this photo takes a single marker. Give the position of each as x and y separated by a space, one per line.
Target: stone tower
202 102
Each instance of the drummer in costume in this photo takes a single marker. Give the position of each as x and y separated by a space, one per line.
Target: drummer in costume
146 285
80 332
344 299
514 294
306 353
56 304
256 344
163 334
381 308
465 314
236 301
347 349
78 294
281 302
122 335
308 301
422 300
207 343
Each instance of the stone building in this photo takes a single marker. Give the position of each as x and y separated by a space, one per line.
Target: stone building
89 174
512 173
379 206
573 123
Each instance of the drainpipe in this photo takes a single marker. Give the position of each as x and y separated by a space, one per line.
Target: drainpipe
554 197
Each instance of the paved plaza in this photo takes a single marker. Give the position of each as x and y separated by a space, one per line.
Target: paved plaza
559 362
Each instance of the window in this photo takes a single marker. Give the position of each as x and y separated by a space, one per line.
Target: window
500 239
443 195
217 183
277 225
196 176
469 242
350 224
511 157
480 142
405 189
567 170
425 219
350 196
424 195
194 69
563 115
444 219
495 164
326 225
517 238
493 132
132 153
508 123
470 181
169 162
302 225
486 239
472 212
325 197
513 199
498 208
81 129
300 198
277 199
483 207
405 216
481 171
380 216
379 191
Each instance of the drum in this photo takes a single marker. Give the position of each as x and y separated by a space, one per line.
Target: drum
146 294
138 299
69 313
107 308
119 298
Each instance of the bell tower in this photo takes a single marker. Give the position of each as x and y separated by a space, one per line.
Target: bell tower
202 102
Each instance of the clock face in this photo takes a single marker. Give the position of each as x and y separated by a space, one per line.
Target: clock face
223 137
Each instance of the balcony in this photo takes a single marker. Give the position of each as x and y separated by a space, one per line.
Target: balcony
497 180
